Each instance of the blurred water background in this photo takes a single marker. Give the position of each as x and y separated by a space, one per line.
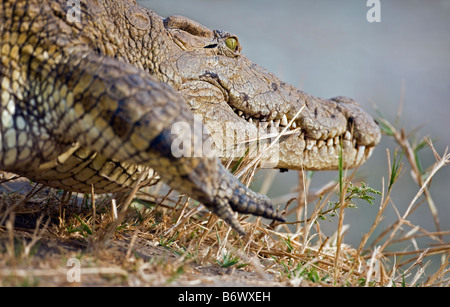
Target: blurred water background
328 48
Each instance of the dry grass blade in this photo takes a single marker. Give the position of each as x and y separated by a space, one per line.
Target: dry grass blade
106 234
439 164
402 140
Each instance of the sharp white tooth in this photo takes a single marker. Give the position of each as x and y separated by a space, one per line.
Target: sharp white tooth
240 113
284 121
271 123
294 125
330 142
360 154
276 123
310 143
347 145
264 125
370 152
347 135
336 140
250 120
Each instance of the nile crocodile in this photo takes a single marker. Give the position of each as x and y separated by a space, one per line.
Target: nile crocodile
91 90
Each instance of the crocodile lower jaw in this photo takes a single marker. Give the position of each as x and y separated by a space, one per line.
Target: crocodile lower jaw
321 154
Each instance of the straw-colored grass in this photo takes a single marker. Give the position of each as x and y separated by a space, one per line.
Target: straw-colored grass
162 238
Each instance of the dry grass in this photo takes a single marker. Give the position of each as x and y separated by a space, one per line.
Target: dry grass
165 239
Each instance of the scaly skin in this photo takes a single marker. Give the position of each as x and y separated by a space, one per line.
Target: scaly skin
94 102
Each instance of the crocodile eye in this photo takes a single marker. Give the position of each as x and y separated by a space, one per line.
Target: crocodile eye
232 43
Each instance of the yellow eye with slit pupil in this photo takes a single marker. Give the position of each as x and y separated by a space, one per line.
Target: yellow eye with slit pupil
231 43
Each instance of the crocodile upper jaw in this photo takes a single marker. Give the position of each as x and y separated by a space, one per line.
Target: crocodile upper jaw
242 104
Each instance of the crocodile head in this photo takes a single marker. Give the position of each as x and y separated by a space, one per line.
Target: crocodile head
242 103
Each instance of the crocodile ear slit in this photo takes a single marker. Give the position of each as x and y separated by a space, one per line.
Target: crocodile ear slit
188 25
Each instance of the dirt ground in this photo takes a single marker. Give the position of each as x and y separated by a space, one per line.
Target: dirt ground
123 263
45 247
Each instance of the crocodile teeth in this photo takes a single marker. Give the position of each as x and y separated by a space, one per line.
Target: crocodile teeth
294 125
310 144
276 123
330 142
360 154
240 113
284 121
347 136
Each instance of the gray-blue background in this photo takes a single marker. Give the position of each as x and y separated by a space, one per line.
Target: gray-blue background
327 48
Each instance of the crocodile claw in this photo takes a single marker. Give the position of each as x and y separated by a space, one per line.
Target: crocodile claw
232 196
